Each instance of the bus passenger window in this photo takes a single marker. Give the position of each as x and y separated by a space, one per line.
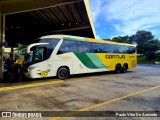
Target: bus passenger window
98 48
120 48
125 49
68 46
109 48
84 47
116 49
132 49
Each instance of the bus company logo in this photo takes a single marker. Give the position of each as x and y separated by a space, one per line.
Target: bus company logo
115 56
66 57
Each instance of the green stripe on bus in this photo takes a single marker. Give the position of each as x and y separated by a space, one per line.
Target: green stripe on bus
86 60
95 59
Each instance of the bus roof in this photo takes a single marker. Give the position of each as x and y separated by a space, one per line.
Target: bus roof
77 38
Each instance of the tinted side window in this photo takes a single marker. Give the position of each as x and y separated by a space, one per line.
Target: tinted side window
129 49
98 48
118 49
109 48
126 48
68 46
52 44
132 49
84 47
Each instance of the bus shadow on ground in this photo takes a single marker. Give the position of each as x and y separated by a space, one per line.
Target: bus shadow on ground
96 74
47 79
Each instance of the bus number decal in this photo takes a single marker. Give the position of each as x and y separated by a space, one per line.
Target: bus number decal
44 73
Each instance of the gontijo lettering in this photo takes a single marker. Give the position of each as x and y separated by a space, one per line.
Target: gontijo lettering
115 56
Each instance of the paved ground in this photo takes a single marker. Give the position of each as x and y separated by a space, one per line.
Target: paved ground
131 91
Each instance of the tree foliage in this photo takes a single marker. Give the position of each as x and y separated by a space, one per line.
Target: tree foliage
141 38
150 47
157 52
122 39
21 46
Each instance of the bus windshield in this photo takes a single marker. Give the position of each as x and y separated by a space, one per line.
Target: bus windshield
41 52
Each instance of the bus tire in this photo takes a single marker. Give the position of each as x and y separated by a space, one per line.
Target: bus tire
124 68
62 73
118 68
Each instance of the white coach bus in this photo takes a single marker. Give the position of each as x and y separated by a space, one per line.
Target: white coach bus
63 55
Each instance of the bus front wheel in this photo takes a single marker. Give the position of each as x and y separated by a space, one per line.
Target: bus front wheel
62 73
118 68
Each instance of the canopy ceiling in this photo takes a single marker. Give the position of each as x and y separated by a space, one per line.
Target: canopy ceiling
27 20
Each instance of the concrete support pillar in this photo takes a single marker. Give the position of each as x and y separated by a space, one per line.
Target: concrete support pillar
2 39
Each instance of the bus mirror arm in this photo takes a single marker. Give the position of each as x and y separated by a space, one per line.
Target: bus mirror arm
34 44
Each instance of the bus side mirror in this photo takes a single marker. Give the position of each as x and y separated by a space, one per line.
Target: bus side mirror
35 44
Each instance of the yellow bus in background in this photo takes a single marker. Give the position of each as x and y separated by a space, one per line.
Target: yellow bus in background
64 55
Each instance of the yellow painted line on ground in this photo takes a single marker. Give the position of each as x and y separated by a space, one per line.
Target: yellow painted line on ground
103 103
30 85
38 84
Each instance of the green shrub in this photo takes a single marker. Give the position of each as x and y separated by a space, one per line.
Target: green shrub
158 59
144 60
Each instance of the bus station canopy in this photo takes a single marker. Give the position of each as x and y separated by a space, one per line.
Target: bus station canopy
26 20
